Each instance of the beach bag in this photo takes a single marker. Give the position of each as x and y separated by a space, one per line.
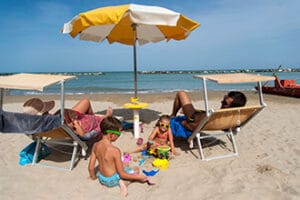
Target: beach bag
26 155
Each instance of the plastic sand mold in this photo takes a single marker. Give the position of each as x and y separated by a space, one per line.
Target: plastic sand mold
150 173
142 162
126 158
161 163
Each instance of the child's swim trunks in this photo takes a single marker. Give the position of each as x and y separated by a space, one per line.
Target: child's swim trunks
109 181
113 180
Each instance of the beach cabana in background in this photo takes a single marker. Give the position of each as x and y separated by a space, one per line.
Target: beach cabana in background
128 24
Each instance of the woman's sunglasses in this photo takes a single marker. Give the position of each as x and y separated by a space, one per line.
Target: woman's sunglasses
164 125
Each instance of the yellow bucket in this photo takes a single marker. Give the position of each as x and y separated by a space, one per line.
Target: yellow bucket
163 149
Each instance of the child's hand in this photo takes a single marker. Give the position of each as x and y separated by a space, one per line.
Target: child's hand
76 124
144 178
174 153
71 125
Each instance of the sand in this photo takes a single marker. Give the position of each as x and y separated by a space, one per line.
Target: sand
267 167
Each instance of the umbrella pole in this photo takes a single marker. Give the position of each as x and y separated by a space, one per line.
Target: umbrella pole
134 60
136 115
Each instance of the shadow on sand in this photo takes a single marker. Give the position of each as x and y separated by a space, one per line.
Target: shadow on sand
146 115
206 143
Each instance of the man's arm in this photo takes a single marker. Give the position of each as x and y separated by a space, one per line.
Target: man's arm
91 166
198 117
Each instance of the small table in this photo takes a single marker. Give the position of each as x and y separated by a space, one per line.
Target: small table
135 105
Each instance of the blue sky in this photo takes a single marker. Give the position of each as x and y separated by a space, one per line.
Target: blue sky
233 34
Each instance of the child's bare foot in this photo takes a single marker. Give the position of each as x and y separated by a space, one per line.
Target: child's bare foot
109 112
123 188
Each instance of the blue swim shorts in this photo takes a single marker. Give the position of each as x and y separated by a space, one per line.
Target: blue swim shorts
113 180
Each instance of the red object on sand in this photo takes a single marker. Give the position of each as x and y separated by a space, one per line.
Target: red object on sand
283 87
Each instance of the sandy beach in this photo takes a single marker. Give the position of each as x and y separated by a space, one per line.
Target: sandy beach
268 165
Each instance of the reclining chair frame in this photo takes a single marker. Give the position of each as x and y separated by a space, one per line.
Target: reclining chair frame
198 133
64 130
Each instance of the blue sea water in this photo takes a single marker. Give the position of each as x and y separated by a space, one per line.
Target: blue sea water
123 82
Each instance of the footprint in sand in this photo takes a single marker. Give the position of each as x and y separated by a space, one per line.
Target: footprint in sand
263 168
263 155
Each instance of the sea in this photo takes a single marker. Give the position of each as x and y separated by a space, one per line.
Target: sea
150 82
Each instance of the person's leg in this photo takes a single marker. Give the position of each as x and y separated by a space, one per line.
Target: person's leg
123 187
84 106
25 123
138 149
182 100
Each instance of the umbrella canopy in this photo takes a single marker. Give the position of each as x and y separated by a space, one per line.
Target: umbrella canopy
129 23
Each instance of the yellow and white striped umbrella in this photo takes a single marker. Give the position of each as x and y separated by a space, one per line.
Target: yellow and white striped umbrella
114 23
129 23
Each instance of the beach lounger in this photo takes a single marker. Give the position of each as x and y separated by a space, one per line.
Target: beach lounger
223 122
226 121
61 135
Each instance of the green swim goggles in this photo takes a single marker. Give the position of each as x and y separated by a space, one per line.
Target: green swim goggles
114 132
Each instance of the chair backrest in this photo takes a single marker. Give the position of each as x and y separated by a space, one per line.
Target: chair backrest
230 117
63 132
58 133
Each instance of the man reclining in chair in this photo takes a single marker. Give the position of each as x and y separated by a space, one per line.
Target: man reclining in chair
183 126
80 118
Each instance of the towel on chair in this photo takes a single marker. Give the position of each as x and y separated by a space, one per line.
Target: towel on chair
11 122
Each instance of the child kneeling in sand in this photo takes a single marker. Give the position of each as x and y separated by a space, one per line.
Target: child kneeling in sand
110 170
161 135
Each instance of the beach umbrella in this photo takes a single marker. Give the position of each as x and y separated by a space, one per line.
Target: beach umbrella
130 24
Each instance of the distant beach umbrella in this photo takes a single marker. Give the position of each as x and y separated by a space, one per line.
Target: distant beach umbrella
128 24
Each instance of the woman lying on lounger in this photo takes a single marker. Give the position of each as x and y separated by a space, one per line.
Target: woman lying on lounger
80 118
83 121
183 126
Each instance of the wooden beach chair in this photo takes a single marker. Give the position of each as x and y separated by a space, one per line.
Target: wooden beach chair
223 122
60 136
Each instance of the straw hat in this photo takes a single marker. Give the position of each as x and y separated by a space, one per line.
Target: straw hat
36 106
